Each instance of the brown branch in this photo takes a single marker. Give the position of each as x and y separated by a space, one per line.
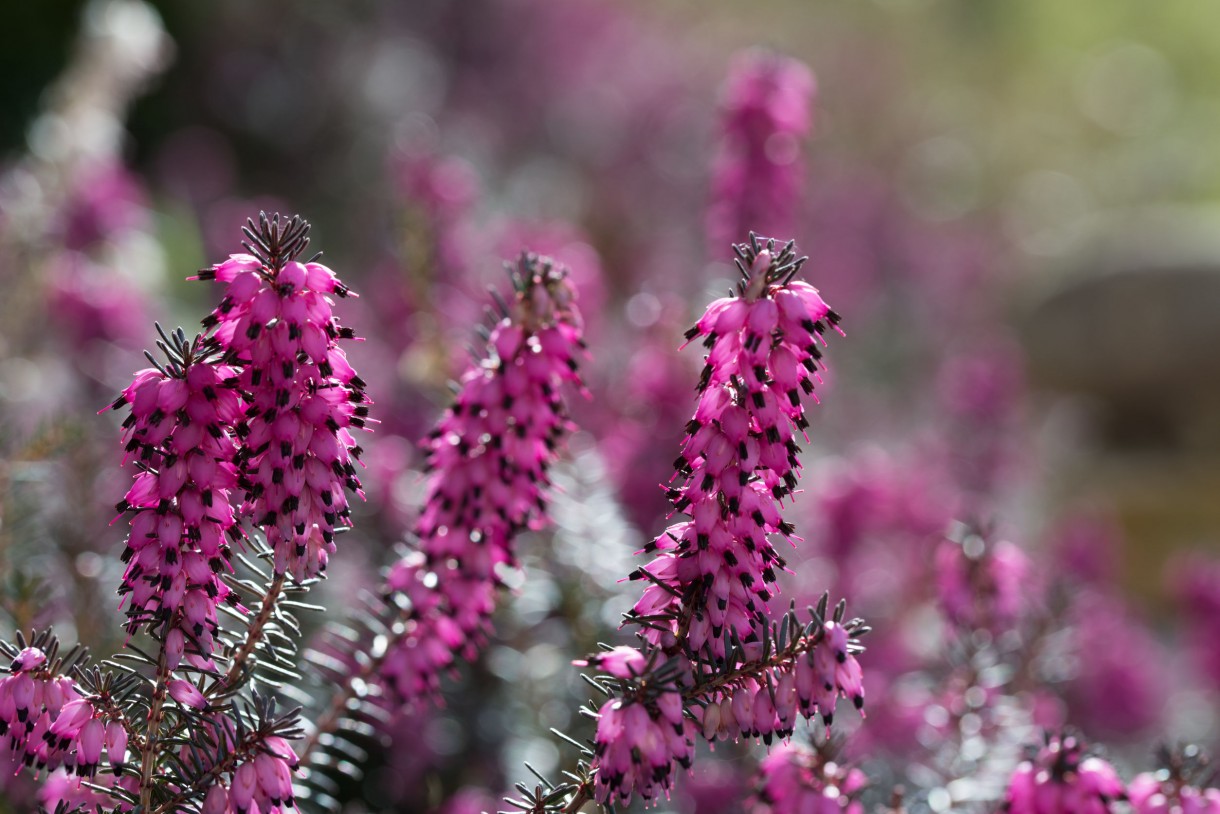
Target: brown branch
156 713
333 716
254 634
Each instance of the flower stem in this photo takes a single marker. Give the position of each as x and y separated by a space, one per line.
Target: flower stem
583 795
208 778
156 714
254 633
333 715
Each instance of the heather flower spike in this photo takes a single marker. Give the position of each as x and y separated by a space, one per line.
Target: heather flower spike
296 459
767 113
1180 786
713 661
716 571
47 717
181 433
1063 778
795 778
488 459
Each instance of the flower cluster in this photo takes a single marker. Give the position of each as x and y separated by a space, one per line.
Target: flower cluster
488 458
794 778
643 732
716 571
1062 778
180 431
637 744
50 723
295 459
1162 793
79 794
724 667
767 112
765 704
980 584
262 783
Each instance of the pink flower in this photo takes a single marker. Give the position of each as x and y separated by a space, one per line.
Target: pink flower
981 586
766 706
181 432
620 662
488 457
187 694
739 459
49 722
1163 793
758 173
61 787
794 778
295 462
260 783
1063 779
638 742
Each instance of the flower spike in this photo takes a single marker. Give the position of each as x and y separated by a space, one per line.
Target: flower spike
297 458
488 459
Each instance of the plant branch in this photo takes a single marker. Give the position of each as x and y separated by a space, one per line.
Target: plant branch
205 780
583 795
334 713
156 713
254 633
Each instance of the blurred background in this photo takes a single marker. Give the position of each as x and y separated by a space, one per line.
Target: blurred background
1012 205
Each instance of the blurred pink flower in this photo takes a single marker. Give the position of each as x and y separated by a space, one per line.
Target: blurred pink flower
759 172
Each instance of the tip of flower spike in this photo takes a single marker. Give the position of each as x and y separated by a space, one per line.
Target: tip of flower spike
276 239
763 262
543 293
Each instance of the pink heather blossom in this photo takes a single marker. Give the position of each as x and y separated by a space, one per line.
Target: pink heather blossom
187 694
767 705
51 725
261 781
1063 779
107 200
620 662
1195 581
180 432
488 459
1161 793
981 586
796 780
739 459
1112 692
759 172
60 787
297 452
638 742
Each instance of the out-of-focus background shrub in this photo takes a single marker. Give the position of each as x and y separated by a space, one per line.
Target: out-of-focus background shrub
1012 204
